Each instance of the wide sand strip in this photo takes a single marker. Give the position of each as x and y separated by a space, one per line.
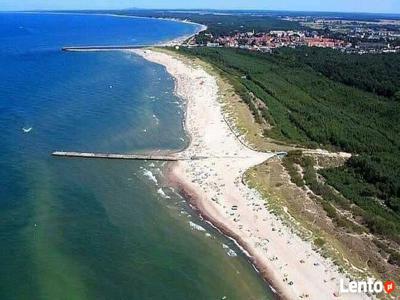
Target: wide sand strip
215 187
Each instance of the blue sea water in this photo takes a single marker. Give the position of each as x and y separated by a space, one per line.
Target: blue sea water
80 229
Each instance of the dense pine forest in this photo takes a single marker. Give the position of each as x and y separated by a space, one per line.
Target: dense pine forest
335 101
379 74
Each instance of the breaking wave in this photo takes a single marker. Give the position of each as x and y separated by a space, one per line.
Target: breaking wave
150 175
162 193
229 251
195 226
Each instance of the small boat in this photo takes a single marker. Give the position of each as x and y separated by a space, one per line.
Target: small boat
26 130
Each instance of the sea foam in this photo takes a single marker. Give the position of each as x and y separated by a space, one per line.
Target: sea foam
229 251
195 226
162 193
150 175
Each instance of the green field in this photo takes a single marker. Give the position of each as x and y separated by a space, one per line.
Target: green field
310 108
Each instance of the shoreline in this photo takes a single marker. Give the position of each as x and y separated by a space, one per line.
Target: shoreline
191 197
215 188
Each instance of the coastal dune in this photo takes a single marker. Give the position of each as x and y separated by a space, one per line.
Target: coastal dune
215 187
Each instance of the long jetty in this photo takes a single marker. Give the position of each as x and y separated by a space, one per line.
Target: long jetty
102 48
119 156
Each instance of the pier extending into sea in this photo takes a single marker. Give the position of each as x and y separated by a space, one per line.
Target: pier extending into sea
159 157
102 48
151 156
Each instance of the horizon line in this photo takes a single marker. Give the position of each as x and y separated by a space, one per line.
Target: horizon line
206 9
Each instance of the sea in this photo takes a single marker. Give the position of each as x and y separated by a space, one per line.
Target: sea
97 229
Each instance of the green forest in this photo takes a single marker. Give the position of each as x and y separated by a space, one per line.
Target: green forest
378 74
326 102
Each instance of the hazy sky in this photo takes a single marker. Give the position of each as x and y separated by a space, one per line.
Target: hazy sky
387 6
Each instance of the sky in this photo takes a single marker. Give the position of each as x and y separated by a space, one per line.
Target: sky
381 6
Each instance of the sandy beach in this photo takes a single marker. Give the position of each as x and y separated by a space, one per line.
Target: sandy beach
215 187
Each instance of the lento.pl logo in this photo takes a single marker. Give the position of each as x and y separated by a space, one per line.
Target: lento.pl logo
370 286
389 286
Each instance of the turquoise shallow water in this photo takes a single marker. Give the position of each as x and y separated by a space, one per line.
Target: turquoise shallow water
80 229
